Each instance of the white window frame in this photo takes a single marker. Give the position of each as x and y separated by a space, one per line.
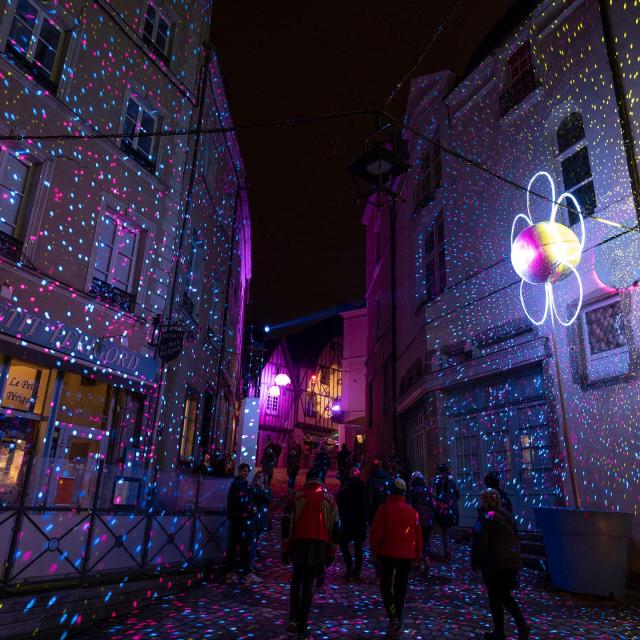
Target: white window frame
165 15
567 153
605 364
29 54
133 139
22 215
271 404
439 271
431 178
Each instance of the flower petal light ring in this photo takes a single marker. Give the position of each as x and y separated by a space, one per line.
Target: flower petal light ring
547 252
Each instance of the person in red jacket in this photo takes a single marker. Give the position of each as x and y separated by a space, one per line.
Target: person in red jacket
396 543
310 536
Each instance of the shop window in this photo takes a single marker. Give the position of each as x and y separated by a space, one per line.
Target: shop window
575 166
189 422
435 259
115 261
431 171
310 405
16 175
139 122
84 402
25 402
128 420
520 78
157 31
605 340
36 43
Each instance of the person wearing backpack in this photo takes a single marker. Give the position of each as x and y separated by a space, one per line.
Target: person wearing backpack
445 496
495 551
419 497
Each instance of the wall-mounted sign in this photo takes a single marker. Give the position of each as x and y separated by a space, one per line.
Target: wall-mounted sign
170 344
54 335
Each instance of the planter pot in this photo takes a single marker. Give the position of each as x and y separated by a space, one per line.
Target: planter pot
586 549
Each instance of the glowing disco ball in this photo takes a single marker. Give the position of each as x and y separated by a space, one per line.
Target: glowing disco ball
545 252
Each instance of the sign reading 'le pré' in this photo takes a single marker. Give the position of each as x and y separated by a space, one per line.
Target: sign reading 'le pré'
51 334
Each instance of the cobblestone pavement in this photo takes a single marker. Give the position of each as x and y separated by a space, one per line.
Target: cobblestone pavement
450 603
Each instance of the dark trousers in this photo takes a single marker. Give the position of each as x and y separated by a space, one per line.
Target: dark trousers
301 594
394 580
348 559
240 548
426 540
499 585
292 473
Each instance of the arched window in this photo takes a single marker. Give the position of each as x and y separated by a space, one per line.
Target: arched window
575 165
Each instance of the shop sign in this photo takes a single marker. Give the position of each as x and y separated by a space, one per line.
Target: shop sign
50 334
20 388
170 344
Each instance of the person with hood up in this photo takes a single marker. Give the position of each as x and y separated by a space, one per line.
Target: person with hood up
396 543
495 551
377 488
419 497
492 481
310 536
353 522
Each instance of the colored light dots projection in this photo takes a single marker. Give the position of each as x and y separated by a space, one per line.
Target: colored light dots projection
547 252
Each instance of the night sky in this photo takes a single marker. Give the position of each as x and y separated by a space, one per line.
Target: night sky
291 59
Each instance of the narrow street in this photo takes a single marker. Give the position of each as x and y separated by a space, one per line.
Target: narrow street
450 603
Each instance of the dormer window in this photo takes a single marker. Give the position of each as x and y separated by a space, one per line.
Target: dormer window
520 78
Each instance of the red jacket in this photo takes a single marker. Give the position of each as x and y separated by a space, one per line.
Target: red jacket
311 514
396 530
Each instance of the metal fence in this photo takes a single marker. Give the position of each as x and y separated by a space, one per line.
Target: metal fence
73 521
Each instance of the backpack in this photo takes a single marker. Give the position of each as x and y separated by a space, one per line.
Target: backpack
443 502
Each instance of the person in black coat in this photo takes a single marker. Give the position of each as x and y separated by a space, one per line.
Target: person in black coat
241 512
495 551
352 507
261 497
343 460
322 461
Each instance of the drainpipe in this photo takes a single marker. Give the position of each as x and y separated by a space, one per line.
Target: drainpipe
623 110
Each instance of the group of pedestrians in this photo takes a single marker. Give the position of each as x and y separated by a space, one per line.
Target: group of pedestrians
315 524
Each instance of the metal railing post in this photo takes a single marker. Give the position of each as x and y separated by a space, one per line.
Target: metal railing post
149 517
92 519
195 517
17 525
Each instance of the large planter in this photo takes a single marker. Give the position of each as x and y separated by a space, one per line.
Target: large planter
586 549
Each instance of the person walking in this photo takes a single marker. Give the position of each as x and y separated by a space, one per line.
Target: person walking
377 488
294 454
492 481
445 495
268 461
261 496
495 551
419 497
343 460
352 508
322 461
310 533
242 517
396 543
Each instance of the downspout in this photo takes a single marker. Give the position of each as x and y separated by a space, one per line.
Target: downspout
623 111
398 442
208 46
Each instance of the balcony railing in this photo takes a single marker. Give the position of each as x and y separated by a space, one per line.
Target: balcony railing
106 292
10 247
518 91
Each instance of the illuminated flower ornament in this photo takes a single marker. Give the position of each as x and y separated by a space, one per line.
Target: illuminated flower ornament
547 252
